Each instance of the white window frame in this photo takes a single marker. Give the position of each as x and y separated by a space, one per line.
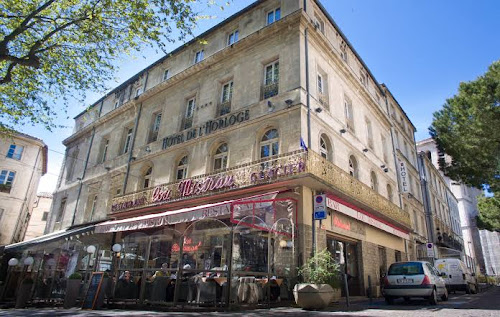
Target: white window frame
128 140
269 143
233 37
182 168
190 106
349 115
321 83
155 127
353 167
147 177
138 92
230 86
275 14
221 156
15 152
199 56
275 67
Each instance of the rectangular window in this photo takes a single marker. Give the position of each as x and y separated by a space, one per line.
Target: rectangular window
384 148
165 74
349 116
138 92
128 141
45 215
155 127
187 122
199 56
227 92
363 78
60 213
6 180
15 151
104 151
117 104
369 134
271 80
233 37
343 50
320 84
273 16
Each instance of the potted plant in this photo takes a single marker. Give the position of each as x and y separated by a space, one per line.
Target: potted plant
321 274
72 290
24 292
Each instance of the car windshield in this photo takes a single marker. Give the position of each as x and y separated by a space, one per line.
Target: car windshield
409 268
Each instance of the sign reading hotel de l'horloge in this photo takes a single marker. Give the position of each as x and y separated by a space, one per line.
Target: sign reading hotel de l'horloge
207 128
261 172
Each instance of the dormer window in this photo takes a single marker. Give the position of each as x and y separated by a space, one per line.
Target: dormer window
273 16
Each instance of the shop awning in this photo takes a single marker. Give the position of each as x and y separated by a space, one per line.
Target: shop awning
48 238
176 216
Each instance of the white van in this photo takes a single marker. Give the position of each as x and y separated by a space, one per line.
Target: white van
456 275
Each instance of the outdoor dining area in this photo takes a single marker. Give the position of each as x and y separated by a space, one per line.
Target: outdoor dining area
248 259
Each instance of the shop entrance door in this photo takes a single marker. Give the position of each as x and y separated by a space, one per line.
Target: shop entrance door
345 253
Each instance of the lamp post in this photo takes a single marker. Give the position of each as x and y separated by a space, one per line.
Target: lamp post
90 250
12 262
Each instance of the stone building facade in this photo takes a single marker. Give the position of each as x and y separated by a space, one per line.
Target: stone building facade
467 207
38 216
230 120
23 161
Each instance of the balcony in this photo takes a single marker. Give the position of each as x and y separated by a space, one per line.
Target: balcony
187 123
323 100
270 90
224 108
5 188
294 165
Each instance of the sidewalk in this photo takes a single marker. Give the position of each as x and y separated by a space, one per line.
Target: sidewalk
357 303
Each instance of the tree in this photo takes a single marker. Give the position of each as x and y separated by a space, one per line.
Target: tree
51 49
467 131
489 213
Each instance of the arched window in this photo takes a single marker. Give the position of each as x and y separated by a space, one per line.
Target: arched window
269 145
373 181
182 168
147 178
220 157
389 193
353 167
325 148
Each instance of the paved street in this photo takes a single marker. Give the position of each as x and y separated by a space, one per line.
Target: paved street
460 304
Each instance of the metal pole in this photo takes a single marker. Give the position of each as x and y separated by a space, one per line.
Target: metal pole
346 287
230 268
179 271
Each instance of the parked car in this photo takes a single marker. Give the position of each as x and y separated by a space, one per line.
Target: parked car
457 275
414 279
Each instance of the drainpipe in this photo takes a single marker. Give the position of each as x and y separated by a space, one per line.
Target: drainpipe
308 102
395 157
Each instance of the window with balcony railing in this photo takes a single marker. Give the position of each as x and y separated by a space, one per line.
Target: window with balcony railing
349 115
224 106
271 80
187 121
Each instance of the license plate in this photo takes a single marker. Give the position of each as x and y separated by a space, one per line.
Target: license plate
405 281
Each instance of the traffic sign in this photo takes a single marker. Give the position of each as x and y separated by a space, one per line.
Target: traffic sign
320 207
430 250
319 215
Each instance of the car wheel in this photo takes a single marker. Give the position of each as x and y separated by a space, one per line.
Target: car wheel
433 298
467 289
444 298
389 300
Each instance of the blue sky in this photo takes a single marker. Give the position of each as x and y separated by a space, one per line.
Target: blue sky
421 50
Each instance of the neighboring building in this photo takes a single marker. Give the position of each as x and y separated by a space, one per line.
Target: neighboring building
39 215
210 137
403 141
490 243
441 211
23 161
467 207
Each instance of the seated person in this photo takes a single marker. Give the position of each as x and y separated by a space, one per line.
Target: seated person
125 287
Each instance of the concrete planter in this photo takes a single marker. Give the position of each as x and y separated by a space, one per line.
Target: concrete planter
72 292
23 295
313 296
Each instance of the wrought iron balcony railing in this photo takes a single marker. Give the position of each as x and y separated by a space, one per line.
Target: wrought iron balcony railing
270 90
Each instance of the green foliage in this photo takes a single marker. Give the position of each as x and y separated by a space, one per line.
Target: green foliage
321 269
467 129
52 49
75 276
489 213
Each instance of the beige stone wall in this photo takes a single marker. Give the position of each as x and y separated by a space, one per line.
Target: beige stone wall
17 204
37 224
